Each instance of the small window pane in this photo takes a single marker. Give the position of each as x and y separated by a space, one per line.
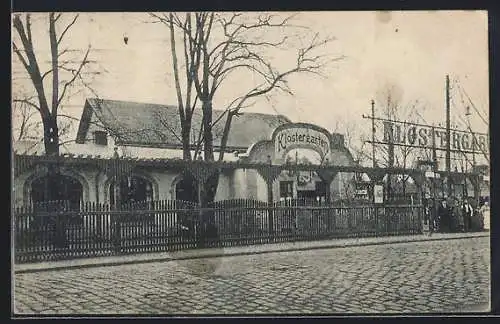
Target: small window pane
100 138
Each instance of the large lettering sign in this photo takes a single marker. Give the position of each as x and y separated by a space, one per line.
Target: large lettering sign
301 136
427 136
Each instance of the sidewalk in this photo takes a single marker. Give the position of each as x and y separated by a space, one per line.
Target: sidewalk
234 251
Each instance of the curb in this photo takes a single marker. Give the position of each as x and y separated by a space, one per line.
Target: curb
291 248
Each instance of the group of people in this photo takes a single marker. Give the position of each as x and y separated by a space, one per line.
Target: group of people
458 216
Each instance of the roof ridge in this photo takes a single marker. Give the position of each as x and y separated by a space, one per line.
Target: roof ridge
133 102
176 106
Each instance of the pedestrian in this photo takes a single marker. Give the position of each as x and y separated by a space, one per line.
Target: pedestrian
435 216
459 217
485 213
467 212
455 215
444 216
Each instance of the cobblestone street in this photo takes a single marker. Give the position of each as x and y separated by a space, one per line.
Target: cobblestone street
415 277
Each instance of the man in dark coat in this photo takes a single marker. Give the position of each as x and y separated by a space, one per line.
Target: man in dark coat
444 216
467 212
458 216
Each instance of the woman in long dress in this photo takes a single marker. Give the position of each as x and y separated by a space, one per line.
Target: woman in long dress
485 212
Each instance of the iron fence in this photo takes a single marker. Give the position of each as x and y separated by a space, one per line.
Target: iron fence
52 231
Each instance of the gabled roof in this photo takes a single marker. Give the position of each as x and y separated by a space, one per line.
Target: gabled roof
155 125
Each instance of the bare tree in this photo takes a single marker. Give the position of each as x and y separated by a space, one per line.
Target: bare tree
59 86
52 86
354 140
217 46
392 155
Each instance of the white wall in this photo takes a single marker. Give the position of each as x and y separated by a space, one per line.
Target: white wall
239 183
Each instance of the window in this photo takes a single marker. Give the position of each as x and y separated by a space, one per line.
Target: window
100 138
286 189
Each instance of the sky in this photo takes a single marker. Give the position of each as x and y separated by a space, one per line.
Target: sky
411 52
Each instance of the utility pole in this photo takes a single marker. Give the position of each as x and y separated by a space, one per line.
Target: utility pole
373 133
434 152
448 136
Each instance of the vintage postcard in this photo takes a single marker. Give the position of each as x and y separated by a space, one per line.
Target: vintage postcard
244 163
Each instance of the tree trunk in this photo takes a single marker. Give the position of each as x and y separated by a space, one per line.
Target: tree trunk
208 192
208 147
186 141
51 143
225 135
51 136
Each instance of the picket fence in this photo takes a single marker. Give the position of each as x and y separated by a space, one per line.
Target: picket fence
58 230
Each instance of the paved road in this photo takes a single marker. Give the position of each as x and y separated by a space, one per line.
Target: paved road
437 276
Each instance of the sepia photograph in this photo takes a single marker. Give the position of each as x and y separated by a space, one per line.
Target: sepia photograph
246 164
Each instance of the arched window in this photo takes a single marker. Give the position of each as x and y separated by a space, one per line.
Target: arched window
133 189
57 188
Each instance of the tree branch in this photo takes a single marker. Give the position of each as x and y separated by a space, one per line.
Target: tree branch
32 67
66 29
26 101
20 56
76 75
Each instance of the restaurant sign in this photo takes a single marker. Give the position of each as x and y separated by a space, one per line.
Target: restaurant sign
417 135
301 135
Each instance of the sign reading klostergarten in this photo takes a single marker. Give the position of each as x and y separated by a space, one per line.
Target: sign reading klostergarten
416 135
301 136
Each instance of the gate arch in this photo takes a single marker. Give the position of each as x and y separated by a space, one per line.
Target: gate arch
75 182
145 183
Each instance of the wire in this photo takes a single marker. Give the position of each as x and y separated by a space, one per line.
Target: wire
472 104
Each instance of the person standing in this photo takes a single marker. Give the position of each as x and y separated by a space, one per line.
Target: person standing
467 212
456 216
459 217
444 216
485 212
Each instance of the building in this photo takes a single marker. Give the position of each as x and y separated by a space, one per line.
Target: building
139 130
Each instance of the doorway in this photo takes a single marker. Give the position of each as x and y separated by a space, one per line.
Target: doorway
187 190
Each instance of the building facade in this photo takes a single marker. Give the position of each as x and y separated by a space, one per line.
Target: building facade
138 130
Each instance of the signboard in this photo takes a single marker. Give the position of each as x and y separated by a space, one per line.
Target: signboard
378 194
418 135
292 136
431 174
